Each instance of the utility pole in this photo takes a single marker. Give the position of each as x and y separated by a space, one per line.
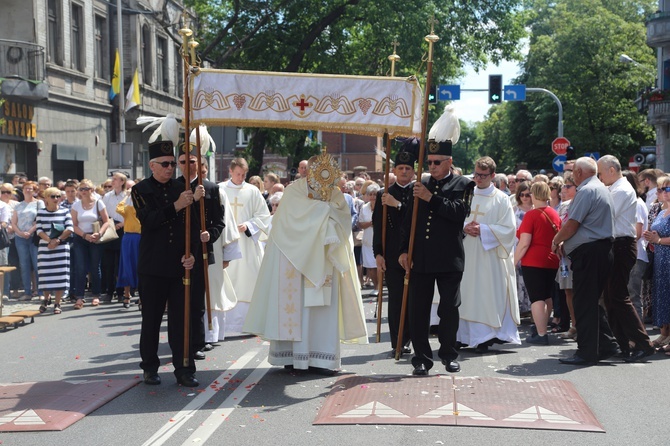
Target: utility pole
122 105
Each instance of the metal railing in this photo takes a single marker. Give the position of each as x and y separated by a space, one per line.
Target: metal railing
24 60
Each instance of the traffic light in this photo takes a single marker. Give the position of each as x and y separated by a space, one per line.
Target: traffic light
495 88
432 95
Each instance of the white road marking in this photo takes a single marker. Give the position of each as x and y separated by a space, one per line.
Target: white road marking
180 418
219 415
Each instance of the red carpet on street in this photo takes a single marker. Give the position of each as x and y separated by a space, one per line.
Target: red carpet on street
457 401
55 405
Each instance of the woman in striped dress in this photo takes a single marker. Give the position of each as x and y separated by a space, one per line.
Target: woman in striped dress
53 255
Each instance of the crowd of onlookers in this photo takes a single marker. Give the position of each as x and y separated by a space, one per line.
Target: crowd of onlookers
54 232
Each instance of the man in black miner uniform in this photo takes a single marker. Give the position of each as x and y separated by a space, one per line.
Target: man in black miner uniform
160 202
213 227
397 200
438 256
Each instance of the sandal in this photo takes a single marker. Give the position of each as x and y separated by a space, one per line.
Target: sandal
57 309
95 302
570 334
79 304
660 341
126 302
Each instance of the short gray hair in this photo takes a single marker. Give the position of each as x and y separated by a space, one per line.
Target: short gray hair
610 161
587 163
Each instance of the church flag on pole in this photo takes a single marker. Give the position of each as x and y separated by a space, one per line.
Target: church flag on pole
116 78
133 96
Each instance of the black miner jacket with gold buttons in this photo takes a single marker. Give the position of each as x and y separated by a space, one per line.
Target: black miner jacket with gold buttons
163 238
438 240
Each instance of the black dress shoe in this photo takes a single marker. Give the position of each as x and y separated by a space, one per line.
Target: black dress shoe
208 347
639 355
199 356
420 370
576 360
187 381
152 378
609 353
452 366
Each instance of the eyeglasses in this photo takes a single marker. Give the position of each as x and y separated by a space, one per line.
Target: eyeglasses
6 192
481 175
166 164
663 189
436 162
567 186
184 161
524 195
53 197
84 189
108 187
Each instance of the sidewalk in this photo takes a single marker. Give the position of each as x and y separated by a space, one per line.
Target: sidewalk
9 306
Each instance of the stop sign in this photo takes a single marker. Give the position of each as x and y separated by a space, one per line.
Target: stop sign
560 145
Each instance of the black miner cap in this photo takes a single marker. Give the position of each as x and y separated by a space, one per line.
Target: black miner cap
408 153
161 148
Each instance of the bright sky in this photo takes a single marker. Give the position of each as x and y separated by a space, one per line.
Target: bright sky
474 105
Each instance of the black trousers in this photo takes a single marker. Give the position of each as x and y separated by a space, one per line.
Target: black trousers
591 263
623 318
422 288
198 304
395 278
155 293
110 266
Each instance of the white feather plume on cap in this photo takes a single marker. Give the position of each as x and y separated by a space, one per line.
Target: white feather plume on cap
207 143
168 127
447 127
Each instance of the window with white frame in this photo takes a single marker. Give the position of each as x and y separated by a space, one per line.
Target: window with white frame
101 60
242 138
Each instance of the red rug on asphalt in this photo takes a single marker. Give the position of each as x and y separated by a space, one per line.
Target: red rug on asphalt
456 401
55 405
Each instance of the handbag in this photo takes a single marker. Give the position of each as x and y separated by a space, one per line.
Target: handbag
649 271
4 238
110 233
358 237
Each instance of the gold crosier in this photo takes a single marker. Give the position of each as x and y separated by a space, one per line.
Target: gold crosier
380 274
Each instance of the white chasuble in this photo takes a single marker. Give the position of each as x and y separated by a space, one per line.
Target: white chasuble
489 306
248 207
307 296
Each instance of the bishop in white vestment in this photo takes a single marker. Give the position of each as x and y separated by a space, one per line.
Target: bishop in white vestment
222 293
253 217
489 311
307 297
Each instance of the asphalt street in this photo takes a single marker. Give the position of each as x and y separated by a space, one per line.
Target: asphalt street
243 400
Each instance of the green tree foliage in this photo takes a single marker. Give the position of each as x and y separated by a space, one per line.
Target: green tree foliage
352 37
574 52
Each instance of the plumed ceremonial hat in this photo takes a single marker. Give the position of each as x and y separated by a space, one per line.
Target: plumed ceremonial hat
161 148
444 133
408 153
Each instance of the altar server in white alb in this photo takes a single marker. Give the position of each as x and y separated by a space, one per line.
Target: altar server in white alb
489 311
222 293
253 218
307 297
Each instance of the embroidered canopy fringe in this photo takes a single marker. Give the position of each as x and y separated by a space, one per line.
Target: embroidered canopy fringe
364 105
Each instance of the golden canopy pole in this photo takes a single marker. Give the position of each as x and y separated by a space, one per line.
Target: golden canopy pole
380 274
186 34
431 39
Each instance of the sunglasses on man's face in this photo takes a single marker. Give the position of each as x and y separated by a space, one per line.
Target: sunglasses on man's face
436 162
166 164
84 189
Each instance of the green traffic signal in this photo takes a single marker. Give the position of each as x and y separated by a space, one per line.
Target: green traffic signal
495 88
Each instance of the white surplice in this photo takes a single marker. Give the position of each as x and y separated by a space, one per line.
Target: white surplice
248 207
489 306
222 293
307 297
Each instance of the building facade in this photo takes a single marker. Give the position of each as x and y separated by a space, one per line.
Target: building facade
658 114
56 65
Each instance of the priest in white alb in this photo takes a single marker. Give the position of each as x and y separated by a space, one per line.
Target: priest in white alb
222 293
253 218
307 297
489 311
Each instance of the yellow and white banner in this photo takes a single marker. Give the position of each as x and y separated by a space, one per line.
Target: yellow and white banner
350 104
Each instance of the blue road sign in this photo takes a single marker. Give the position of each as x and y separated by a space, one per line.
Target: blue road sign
514 93
648 149
449 92
558 163
594 155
